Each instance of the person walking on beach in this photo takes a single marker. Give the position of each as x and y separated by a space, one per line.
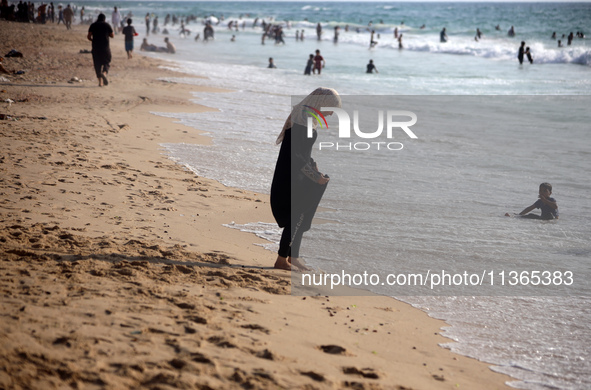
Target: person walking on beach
319 31
116 20
52 12
371 67
298 185
42 14
129 33
99 34
60 15
521 52
68 16
319 62
400 46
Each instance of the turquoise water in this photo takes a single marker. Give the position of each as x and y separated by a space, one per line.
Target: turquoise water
424 66
448 191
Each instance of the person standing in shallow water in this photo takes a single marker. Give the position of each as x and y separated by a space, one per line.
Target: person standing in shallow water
521 52
147 19
528 55
319 63
443 36
298 185
372 42
371 67
309 65
99 33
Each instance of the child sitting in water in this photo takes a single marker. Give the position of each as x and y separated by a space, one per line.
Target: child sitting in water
547 204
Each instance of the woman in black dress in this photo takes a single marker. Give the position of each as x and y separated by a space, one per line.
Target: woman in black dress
298 185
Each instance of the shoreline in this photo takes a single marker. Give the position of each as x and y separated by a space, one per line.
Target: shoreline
115 268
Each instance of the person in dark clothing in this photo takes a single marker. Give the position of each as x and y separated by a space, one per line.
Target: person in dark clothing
528 55
68 16
129 32
371 67
443 35
147 18
60 15
99 33
545 203
298 185
521 52
308 70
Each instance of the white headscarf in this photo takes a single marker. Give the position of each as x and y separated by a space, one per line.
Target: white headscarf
320 97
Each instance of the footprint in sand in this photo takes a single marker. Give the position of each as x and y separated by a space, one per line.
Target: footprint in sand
369 373
333 350
314 375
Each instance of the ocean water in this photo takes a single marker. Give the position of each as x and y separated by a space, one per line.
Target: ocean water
489 132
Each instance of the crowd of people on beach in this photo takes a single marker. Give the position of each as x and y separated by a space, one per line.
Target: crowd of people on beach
272 30
29 12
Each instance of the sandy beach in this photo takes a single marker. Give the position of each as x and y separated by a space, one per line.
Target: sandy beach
116 271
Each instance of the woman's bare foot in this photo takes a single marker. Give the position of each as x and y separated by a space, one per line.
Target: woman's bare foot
282 263
297 263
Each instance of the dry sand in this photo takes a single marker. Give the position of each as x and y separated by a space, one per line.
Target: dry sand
116 271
